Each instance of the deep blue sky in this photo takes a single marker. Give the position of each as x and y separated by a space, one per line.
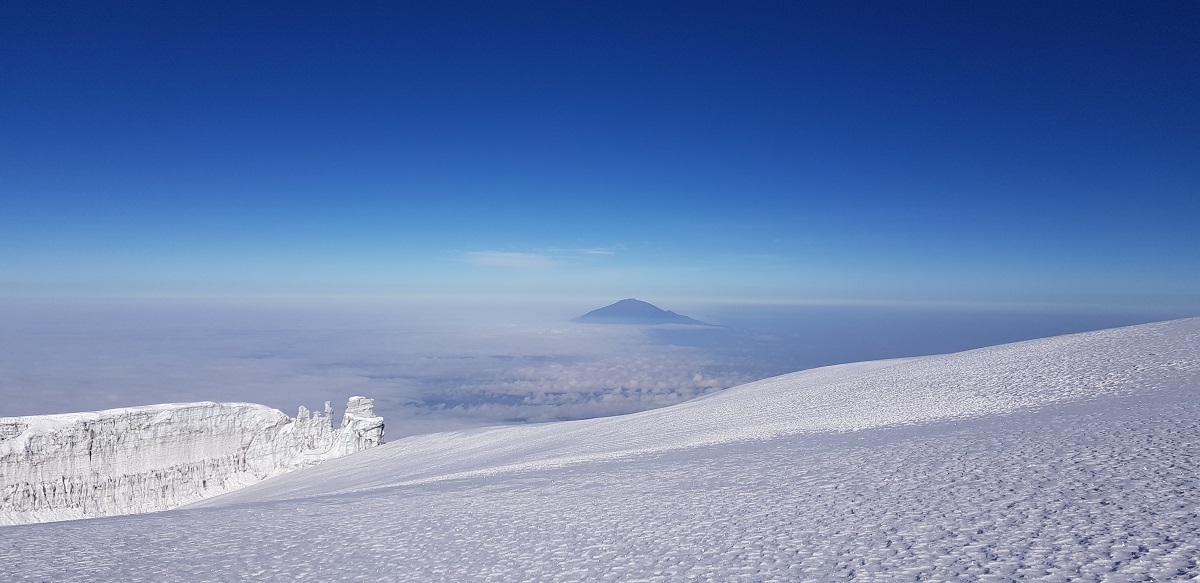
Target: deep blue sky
1006 152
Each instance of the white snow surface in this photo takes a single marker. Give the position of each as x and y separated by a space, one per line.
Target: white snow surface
1074 458
143 459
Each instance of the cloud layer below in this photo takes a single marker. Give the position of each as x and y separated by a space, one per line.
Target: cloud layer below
427 369
436 367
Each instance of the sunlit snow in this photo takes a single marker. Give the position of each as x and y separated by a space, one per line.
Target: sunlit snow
142 459
1068 458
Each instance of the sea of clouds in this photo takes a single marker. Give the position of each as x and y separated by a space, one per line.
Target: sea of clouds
446 365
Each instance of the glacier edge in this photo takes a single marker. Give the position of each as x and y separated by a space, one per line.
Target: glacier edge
156 457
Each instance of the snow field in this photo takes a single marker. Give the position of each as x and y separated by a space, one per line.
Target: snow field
1068 459
1048 495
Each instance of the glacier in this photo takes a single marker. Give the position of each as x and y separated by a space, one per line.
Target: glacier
156 457
1072 458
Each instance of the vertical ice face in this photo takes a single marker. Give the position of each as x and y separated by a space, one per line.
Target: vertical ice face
143 459
360 427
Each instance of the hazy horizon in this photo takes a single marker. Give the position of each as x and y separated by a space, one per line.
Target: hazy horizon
446 365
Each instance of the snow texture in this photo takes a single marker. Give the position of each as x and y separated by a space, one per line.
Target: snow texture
1074 458
143 459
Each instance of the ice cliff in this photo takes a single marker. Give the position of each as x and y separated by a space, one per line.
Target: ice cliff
144 459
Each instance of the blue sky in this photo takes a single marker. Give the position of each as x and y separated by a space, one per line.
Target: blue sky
947 153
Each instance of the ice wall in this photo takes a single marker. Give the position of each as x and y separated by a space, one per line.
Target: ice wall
144 459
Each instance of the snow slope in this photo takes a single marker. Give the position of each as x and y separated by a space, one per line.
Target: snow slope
1067 458
142 459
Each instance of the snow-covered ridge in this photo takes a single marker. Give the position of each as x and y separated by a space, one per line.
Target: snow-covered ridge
156 457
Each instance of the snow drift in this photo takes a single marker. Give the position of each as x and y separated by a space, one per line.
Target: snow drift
142 459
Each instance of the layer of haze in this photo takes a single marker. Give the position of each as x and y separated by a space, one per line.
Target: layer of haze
439 366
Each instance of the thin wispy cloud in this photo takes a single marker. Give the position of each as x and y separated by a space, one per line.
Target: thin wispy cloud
510 259
598 252
537 259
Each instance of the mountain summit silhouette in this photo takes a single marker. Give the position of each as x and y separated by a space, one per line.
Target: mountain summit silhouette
631 311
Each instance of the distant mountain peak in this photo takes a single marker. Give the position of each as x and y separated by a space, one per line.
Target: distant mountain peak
637 312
